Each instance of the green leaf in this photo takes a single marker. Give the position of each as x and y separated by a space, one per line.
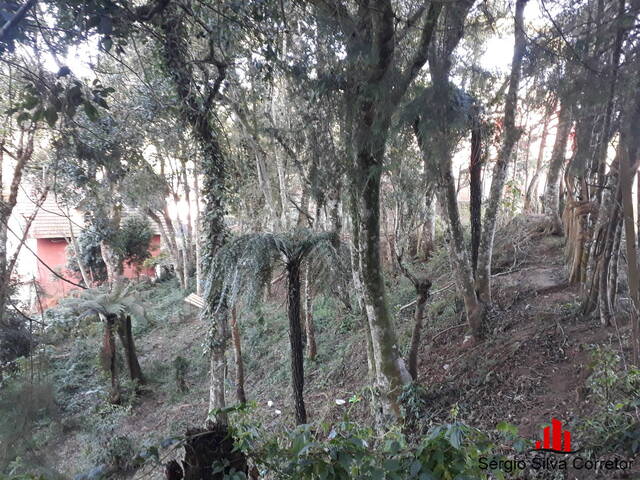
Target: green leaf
30 102
51 116
101 101
415 468
23 117
38 115
508 428
107 44
91 111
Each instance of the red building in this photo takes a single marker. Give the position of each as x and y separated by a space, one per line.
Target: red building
49 237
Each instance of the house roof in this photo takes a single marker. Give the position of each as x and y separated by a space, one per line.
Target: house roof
52 221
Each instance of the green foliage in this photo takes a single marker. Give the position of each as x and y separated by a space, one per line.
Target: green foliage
130 243
15 338
22 405
615 393
244 264
345 451
121 300
90 256
48 97
181 366
414 404
133 239
512 198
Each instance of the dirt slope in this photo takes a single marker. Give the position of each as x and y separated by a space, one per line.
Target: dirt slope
530 368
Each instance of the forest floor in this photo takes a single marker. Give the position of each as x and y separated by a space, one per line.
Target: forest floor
532 366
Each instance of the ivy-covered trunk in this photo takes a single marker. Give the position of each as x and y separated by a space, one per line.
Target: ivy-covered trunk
196 107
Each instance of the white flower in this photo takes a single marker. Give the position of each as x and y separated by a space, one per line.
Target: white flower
278 412
339 401
269 404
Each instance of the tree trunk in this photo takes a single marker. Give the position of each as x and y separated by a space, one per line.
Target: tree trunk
189 258
196 188
4 275
307 313
177 253
429 227
76 251
461 265
475 195
109 357
551 198
237 350
531 196
357 284
126 337
295 339
632 262
422 294
110 259
196 110
391 371
282 189
511 135
217 367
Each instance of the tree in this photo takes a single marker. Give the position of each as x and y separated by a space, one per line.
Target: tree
510 136
114 308
375 79
245 263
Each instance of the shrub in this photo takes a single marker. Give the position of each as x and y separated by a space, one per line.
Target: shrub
614 425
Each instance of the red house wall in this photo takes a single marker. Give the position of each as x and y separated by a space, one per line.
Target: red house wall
53 252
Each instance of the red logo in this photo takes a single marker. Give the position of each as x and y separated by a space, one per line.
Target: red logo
555 439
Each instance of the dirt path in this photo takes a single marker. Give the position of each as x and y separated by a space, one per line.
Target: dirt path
531 367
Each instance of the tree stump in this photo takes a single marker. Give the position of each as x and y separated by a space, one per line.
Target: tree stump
204 450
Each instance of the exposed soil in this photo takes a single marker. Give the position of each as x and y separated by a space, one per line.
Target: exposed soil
531 367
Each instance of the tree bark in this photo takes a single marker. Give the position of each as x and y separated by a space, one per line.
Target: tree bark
422 295
295 339
217 366
195 109
237 350
511 135
392 373
76 251
113 265
126 338
475 195
429 227
109 356
531 196
307 314
551 198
